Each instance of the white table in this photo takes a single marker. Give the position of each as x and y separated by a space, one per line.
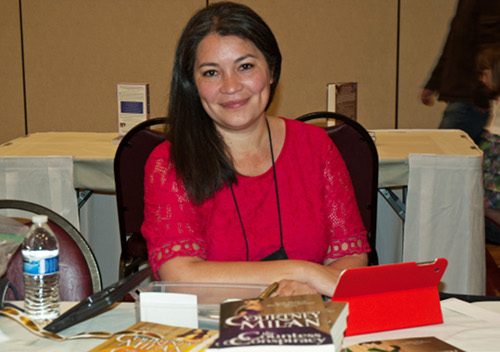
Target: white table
471 327
444 208
93 155
92 169
463 330
395 146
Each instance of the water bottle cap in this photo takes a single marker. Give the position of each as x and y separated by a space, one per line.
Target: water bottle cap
39 219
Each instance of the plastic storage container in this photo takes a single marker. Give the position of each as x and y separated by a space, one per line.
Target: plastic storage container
209 297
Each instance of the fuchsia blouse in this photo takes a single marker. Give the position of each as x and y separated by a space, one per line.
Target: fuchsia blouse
320 218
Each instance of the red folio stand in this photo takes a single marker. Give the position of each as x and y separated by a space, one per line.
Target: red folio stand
393 296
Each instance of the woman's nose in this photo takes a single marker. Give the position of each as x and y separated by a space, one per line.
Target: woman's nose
231 84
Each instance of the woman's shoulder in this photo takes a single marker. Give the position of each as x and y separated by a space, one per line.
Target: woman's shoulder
161 151
159 157
299 130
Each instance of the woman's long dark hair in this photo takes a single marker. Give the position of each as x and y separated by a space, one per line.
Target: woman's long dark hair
197 150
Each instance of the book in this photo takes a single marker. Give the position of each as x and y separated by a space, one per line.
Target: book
154 337
337 313
413 344
342 98
292 323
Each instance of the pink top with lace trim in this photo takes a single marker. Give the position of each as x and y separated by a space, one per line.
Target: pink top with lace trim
320 218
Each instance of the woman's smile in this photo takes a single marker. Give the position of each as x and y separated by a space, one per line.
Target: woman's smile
234 104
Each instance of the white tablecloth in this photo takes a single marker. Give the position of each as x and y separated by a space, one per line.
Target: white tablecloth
88 164
395 146
43 180
471 327
93 155
444 211
446 219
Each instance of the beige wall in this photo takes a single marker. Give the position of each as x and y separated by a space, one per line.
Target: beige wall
424 27
11 77
334 41
76 51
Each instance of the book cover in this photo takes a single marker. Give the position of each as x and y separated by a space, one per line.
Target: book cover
414 344
274 324
342 98
154 337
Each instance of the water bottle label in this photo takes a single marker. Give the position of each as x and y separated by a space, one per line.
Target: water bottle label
41 267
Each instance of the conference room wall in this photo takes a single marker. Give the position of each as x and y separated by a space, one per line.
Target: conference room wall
424 28
77 51
334 41
11 87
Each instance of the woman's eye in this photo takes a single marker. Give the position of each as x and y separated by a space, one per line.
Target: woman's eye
246 66
209 73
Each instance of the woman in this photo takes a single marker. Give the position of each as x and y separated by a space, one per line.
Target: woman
234 193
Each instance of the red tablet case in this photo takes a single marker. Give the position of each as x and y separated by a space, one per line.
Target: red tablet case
393 296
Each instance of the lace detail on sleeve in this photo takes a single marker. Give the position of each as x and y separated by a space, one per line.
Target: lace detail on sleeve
349 246
171 250
347 232
172 224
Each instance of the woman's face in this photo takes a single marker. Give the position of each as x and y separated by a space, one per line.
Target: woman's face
233 81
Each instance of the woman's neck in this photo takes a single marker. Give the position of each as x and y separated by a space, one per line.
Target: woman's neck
250 149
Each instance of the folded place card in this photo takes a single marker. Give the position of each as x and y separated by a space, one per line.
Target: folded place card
176 309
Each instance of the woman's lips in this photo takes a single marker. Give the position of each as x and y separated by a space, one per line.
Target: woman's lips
234 104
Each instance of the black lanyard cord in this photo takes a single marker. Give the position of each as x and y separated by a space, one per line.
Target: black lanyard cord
277 197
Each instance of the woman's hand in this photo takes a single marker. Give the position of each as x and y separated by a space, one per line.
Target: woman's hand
294 288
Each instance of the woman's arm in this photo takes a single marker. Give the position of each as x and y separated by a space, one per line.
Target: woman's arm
318 284
295 276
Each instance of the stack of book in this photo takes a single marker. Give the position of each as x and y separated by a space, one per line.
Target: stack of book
295 323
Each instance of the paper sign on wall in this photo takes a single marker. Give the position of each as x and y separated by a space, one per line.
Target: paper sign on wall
133 105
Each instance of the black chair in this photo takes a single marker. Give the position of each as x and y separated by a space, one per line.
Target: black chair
130 160
79 275
360 155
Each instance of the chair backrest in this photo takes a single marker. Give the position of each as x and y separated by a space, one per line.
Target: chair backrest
79 275
361 158
130 160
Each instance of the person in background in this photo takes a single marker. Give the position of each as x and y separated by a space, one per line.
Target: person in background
476 25
488 65
235 195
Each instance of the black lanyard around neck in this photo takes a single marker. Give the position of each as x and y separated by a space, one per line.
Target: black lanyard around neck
282 252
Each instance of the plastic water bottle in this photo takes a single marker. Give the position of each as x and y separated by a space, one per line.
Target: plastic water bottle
41 272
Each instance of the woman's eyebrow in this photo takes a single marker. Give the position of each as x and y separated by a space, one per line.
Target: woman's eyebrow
214 64
244 57
208 64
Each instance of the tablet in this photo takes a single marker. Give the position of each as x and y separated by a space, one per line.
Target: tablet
99 301
392 296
